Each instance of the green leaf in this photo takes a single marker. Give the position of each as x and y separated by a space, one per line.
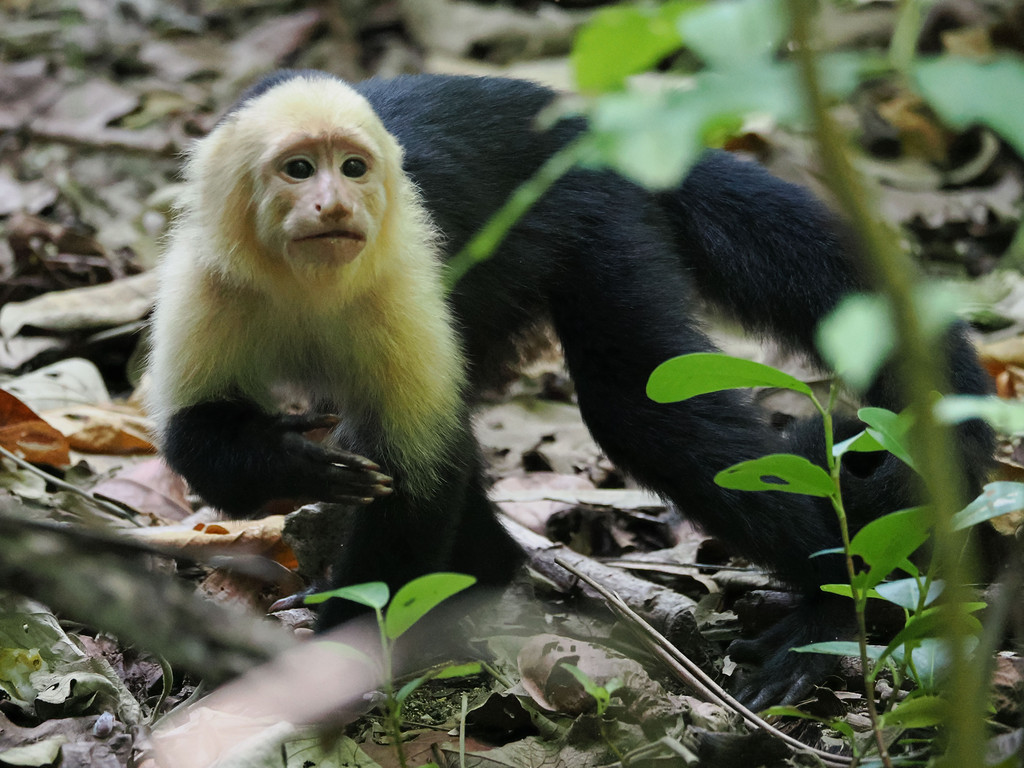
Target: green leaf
890 430
1000 498
931 623
1006 416
784 472
736 35
406 690
932 658
372 594
600 695
687 376
845 590
856 338
917 712
839 648
653 138
906 593
829 551
886 542
454 671
862 442
966 92
417 597
784 711
624 40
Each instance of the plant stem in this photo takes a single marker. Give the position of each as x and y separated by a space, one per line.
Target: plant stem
391 716
529 192
921 374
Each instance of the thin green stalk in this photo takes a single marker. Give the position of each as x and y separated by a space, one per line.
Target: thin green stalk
859 596
519 202
921 375
859 599
394 725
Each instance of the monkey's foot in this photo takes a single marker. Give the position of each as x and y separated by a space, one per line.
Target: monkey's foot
786 676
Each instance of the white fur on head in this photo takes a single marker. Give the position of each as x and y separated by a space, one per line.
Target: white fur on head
226 196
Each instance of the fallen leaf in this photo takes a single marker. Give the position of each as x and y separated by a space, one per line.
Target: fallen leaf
254 537
151 488
25 434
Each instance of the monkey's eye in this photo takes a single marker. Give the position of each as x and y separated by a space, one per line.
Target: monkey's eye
354 167
298 168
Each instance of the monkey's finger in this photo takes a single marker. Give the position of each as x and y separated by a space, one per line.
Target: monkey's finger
345 480
349 459
321 454
347 494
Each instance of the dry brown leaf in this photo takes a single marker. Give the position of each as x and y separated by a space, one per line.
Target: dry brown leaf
111 429
253 537
25 434
541 667
109 439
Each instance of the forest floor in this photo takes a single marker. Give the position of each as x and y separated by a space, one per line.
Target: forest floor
98 101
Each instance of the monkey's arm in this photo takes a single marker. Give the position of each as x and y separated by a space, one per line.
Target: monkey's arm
209 392
238 457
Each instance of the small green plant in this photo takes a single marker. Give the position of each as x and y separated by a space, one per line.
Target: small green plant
602 696
395 616
920 651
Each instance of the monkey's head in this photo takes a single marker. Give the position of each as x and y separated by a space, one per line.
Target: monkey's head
299 185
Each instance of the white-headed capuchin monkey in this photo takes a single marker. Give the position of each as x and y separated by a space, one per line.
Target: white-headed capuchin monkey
308 254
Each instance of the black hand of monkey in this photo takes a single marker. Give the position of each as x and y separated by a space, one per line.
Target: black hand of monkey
324 472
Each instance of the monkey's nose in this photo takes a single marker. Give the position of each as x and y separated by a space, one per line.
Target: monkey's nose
333 210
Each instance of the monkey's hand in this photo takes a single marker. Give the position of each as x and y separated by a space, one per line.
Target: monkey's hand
325 472
238 457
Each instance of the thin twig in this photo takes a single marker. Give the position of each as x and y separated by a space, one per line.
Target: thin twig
693 675
119 510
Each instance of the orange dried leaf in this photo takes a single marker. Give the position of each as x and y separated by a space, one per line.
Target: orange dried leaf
24 434
109 439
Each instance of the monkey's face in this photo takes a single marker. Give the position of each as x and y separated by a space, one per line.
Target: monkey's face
323 200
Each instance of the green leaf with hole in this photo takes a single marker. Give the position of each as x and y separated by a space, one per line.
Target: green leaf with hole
420 595
687 376
784 472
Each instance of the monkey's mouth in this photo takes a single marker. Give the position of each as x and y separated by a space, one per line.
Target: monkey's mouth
332 234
